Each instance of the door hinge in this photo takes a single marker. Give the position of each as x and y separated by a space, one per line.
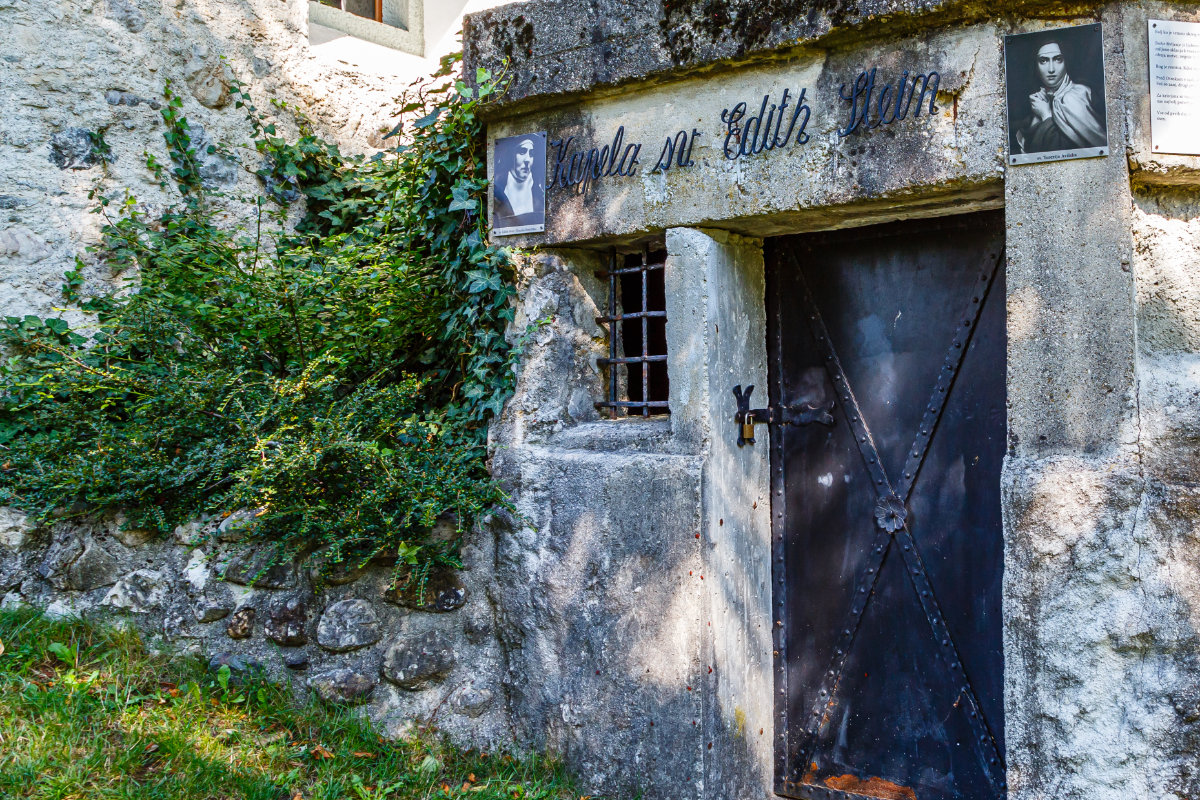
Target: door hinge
747 417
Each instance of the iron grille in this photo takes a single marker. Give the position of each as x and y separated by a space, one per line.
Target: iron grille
637 342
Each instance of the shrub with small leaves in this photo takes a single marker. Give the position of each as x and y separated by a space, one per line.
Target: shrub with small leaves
336 376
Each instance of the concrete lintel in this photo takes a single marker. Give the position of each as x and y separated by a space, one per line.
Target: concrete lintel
557 50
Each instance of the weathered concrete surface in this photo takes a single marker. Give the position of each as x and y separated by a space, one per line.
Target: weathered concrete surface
718 333
924 164
634 588
1100 586
556 50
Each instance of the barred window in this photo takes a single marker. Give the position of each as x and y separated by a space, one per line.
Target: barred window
638 384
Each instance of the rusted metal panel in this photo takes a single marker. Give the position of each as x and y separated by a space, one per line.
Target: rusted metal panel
887 531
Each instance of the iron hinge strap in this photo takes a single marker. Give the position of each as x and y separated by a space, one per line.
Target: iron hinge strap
967 322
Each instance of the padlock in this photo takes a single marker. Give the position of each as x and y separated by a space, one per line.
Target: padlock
748 427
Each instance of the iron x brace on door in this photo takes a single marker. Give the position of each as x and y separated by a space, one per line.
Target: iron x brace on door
886 525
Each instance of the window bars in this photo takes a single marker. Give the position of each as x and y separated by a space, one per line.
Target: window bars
637 341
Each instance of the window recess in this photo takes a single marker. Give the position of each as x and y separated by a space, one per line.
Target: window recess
638 383
399 24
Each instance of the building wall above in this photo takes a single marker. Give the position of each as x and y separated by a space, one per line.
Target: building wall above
555 50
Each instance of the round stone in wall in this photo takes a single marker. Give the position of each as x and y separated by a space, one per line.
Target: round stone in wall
415 663
342 686
286 621
443 591
348 625
241 624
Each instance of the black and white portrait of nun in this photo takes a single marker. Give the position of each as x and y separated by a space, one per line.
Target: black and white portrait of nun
519 185
1056 104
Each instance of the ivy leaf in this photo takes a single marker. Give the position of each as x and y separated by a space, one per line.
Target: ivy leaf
462 200
428 120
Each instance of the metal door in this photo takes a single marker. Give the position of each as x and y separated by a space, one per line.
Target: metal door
886 525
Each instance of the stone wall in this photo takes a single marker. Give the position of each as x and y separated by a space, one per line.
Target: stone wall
351 637
78 69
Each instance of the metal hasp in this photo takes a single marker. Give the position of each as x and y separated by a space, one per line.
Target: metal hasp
747 417
886 528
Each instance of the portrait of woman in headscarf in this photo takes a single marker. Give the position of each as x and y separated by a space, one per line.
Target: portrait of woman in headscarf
1063 113
519 191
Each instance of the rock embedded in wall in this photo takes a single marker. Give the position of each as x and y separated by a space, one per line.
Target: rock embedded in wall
443 590
74 148
127 13
240 667
287 621
209 77
415 662
348 625
207 609
94 568
342 686
139 592
241 624
65 547
15 530
256 568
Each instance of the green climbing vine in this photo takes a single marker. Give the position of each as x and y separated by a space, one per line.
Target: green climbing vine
335 376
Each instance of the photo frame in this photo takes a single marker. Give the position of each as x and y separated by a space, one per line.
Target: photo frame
519 184
1055 93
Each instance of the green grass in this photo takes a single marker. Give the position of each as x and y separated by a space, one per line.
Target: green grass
88 712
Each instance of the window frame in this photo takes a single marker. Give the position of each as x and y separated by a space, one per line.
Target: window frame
409 38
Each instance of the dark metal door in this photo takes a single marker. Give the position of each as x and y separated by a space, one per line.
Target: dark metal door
887 530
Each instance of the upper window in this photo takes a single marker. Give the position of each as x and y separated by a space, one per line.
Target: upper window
399 24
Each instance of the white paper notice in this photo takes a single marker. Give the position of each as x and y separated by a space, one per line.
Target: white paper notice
1174 86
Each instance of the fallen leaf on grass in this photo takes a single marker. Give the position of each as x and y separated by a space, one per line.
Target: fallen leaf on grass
363 754
1 647
150 748
320 752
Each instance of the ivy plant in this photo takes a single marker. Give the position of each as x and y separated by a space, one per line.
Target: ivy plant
334 376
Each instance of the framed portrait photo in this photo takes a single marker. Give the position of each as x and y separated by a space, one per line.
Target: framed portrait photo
519 184
1056 107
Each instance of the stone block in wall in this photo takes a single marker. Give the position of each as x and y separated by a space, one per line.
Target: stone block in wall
208 77
94 568
335 573
139 592
287 622
65 547
257 568
442 591
127 13
74 148
348 625
210 609
240 667
16 532
414 663
241 624
342 686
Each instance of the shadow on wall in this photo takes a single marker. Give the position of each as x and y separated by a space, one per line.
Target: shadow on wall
1103 560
